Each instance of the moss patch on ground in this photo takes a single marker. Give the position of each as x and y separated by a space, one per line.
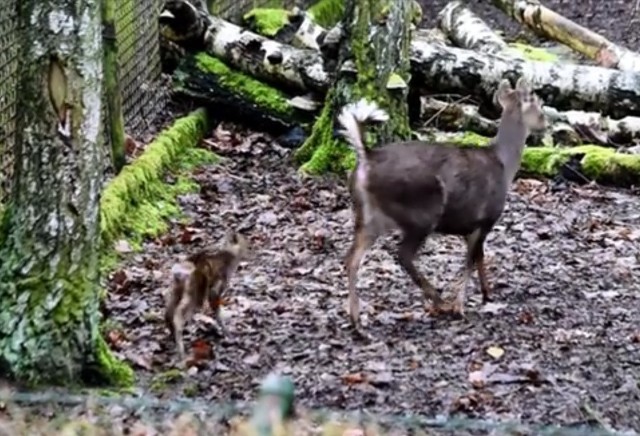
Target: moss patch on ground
327 13
249 88
137 202
267 21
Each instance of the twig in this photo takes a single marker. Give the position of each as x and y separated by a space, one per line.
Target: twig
437 114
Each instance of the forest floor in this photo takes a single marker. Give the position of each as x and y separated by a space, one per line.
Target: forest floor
562 336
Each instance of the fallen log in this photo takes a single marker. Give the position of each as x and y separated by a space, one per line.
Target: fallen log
469 31
434 66
552 25
569 128
563 86
234 96
263 58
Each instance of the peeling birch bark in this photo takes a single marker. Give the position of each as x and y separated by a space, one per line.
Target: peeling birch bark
467 30
552 25
49 275
563 86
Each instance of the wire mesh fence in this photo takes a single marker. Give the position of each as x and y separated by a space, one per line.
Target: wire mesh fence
8 91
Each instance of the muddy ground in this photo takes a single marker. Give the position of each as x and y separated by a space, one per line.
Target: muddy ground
563 330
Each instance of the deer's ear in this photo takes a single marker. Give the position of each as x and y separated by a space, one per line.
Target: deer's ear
503 93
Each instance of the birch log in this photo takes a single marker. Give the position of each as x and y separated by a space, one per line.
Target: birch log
565 128
263 58
564 86
467 30
552 25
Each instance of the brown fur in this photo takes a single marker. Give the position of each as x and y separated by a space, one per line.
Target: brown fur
203 276
424 188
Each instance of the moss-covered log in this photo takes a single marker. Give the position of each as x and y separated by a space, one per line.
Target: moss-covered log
327 13
49 275
467 30
263 58
564 86
370 68
552 25
232 95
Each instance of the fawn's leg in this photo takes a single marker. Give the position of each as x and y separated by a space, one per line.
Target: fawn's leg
485 288
407 249
215 302
363 239
475 252
182 315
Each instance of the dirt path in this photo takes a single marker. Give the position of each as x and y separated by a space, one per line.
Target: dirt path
565 317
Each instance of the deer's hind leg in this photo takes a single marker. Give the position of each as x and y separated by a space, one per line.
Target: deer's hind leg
365 235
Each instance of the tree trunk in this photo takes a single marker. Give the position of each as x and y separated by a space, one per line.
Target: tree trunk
49 277
371 68
112 88
469 31
551 25
564 86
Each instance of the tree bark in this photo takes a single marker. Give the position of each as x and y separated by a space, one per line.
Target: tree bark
49 276
469 31
112 89
551 25
371 68
564 86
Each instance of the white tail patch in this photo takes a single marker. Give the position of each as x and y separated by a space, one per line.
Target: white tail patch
351 118
181 271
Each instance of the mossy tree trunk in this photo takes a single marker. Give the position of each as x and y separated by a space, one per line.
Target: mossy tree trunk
49 276
373 64
112 88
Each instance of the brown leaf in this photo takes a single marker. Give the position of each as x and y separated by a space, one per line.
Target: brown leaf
115 338
354 378
525 318
200 351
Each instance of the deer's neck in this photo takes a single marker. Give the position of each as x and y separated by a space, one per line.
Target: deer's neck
509 143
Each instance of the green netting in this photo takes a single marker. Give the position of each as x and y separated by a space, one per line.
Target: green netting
8 91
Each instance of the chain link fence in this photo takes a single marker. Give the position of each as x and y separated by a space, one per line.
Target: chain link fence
140 75
8 91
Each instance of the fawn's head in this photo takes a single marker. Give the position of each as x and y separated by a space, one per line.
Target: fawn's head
237 244
521 103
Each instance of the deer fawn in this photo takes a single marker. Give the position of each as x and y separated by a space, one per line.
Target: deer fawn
202 276
422 188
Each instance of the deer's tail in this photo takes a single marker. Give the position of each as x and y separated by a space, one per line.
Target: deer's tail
352 119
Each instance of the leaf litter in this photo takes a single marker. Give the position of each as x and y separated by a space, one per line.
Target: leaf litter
564 305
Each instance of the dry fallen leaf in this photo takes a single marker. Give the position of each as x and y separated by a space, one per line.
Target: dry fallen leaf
495 352
354 378
477 379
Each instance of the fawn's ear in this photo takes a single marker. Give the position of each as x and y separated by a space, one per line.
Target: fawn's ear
504 93
523 85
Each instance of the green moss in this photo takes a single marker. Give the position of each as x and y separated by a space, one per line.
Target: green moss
266 21
322 151
160 381
471 138
141 181
252 89
117 372
327 13
533 53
